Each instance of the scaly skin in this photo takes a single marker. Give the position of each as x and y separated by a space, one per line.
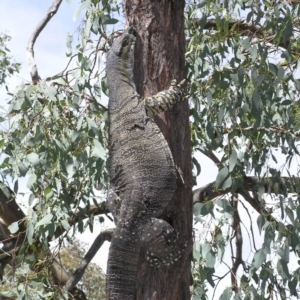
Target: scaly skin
142 173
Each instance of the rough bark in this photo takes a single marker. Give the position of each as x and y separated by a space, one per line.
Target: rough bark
159 59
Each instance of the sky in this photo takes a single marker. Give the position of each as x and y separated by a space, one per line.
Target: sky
19 18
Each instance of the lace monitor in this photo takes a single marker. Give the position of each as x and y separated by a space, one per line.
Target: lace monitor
142 172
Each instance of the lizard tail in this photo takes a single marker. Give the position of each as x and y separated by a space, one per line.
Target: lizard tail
122 269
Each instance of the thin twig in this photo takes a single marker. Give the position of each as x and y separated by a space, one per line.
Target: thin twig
251 227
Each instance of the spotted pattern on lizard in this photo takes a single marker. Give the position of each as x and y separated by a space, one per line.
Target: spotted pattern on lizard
142 173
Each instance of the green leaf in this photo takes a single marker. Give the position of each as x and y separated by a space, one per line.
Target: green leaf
205 248
210 259
13 227
258 259
31 180
59 80
104 85
91 123
209 98
84 5
48 193
45 220
282 269
260 222
284 253
204 208
65 224
30 231
75 135
226 295
33 158
86 63
69 44
222 175
257 100
253 53
280 73
232 160
226 206
290 214
98 150
16 186
107 20
5 190
88 25
227 183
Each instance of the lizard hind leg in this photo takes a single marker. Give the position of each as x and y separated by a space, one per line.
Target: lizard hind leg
160 241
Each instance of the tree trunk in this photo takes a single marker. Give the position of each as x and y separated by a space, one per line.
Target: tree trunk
159 58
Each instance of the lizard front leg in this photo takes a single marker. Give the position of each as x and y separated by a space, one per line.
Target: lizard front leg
165 100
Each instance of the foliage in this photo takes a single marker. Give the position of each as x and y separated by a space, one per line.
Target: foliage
245 92
7 67
242 60
57 139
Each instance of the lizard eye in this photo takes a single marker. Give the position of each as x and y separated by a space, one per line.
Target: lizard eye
125 42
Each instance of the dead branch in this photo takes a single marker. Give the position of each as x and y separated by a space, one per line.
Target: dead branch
30 52
105 235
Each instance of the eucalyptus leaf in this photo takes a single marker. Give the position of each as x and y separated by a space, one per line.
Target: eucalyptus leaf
13 227
221 177
98 150
31 180
33 158
45 220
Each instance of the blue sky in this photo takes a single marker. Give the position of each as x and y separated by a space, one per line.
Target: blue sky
19 18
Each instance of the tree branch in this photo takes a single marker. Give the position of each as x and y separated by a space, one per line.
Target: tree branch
209 191
237 260
95 210
244 29
30 52
275 129
105 235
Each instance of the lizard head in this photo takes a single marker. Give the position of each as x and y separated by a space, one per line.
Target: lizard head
121 52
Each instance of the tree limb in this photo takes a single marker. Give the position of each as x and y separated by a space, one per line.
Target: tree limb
105 235
210 191
275 129
237 260
245 29
83 213
30 52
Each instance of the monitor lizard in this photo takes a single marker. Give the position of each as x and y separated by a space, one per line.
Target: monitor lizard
142 172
